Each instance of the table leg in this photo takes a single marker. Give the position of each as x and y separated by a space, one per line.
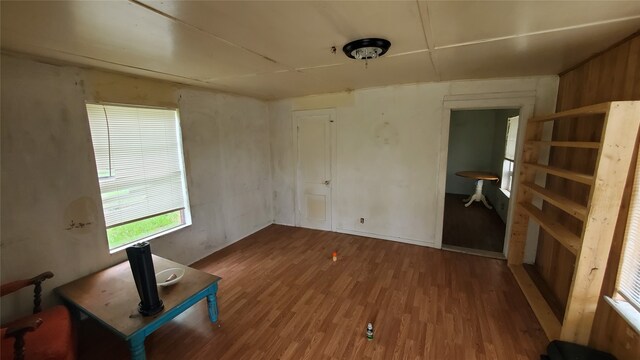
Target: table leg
136 346
477 196
469 201
212 303
484 201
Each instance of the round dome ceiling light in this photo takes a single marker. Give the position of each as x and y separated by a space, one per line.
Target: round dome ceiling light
365 49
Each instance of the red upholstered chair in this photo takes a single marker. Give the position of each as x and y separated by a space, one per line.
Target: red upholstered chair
44 335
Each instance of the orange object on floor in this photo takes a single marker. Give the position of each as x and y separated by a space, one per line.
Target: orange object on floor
334 255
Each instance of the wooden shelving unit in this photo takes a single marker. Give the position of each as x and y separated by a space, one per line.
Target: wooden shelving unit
591 247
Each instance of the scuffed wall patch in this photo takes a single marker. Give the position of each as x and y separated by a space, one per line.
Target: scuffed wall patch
385 133
80 216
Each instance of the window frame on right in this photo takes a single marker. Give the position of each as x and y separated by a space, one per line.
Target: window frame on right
626 297
508 163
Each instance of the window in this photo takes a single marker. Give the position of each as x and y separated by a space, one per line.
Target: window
138 154
509 154
626 301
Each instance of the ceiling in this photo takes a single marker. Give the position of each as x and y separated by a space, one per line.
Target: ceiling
279 49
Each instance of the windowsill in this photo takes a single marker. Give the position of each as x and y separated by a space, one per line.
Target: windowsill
151 237
506 192
628 312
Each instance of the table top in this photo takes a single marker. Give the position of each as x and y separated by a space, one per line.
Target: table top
110 295
479 175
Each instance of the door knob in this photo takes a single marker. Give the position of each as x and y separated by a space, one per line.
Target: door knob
327 182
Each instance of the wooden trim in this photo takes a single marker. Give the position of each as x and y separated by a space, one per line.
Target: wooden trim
569 175
520 220
572 144
547 292
546 317
569 206
616 44
565 237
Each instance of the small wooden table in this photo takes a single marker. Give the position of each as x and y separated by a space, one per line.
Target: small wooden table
110 297
480 176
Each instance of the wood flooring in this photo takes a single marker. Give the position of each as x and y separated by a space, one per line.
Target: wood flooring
474 227
282 297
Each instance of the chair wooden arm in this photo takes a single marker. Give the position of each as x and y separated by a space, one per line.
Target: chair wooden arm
23 326
19 284
18 331
14 286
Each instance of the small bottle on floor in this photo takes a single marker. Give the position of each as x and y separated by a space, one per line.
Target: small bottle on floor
369 331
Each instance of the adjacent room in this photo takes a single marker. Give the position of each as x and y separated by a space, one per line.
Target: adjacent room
480 160
320 179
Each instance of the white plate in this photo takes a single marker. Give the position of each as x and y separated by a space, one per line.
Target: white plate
162 276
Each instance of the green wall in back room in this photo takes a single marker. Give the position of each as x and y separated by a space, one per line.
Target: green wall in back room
476 142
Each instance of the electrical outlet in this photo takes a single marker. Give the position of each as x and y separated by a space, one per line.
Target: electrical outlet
361 220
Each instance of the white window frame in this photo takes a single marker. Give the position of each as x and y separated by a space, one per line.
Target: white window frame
186 212
509 165
508 169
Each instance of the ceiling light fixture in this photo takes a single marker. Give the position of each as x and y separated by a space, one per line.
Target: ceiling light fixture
365 49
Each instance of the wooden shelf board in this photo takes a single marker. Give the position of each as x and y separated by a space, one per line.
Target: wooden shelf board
550 323
619 139
545 289
569 206
570 175
602 108
572 144
565 237
620 124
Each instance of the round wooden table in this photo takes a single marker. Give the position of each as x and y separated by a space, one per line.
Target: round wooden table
480 176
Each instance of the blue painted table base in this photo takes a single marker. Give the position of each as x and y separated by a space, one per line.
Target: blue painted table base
136 340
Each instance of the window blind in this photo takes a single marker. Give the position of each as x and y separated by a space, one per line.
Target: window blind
629 277
512 135
139 161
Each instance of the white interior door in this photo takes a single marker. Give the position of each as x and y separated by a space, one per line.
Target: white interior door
313 134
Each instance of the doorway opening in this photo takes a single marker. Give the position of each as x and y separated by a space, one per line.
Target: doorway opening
479 173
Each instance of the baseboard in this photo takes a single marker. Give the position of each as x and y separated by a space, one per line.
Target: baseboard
385 237
342 231
261 227
478 252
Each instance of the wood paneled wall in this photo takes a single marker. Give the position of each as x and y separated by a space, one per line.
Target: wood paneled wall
611 75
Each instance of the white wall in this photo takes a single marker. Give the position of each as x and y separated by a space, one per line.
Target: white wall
49 175
388 153
239 159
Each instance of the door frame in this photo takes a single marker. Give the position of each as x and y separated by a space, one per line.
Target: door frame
523 100
333 158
